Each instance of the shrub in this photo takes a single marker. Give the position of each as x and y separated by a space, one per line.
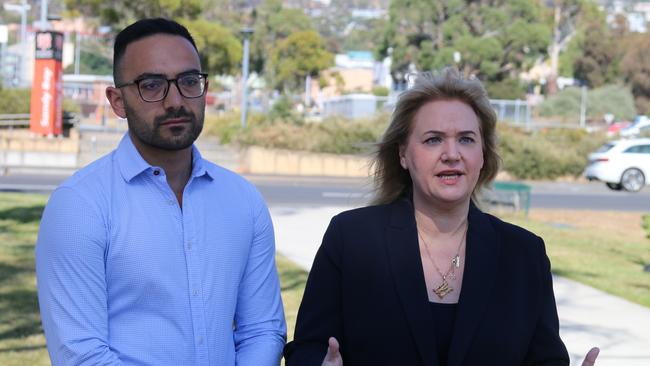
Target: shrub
645 224
282 110
332 135
565 105
506 89
380 91
14 101
546 154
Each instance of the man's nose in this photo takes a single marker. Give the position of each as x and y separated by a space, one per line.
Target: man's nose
174 98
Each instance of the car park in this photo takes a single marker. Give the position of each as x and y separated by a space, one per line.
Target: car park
621 164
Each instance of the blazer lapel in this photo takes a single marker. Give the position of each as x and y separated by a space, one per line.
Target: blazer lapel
404 255
481 261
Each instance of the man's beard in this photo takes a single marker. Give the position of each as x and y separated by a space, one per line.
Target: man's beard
149 133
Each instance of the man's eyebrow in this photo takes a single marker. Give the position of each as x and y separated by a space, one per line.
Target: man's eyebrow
150 75
159 75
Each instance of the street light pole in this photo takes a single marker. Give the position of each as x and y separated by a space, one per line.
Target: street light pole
77 52
244 93
22 9
43 25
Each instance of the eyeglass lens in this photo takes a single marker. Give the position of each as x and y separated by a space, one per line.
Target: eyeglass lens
155 88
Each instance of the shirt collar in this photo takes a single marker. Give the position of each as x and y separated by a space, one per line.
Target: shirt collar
200 166
133 164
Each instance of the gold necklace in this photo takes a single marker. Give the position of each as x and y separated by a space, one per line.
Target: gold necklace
444 289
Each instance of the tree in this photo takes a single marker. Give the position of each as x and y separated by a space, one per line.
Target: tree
593 54
343 31
272 24
598 62
636 69
92 63
302 53
219 49
122 12
495 39
564 17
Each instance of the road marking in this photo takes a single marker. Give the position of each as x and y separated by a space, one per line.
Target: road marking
342 195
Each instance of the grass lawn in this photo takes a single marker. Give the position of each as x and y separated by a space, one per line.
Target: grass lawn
604 250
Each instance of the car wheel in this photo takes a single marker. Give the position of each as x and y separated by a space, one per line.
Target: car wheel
632 180
614 186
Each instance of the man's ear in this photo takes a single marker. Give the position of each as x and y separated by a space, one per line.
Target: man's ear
114 96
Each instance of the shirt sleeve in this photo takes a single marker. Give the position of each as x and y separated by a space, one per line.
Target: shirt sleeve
260 328
71 281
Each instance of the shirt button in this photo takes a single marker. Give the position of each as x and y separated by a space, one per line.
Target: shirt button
156 172
200 340
189 245
195 292
170 202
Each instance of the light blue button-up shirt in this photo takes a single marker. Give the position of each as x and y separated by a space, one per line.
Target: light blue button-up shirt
125 277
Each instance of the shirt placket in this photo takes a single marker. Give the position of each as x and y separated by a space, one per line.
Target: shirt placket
192 261
194 276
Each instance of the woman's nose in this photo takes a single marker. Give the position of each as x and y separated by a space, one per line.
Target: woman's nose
451 152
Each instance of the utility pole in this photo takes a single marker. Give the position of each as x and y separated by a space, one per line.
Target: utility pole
583 106
244 90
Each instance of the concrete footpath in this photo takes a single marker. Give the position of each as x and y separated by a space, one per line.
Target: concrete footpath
588 317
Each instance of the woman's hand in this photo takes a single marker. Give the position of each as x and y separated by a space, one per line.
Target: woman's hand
333 356
590 358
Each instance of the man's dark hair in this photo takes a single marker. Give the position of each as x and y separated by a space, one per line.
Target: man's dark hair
141 29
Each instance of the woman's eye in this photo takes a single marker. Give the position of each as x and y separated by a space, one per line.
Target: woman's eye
433 140
466 140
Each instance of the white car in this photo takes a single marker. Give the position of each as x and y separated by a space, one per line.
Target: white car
640 125
621 164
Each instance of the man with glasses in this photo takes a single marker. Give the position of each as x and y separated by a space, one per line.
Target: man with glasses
152 255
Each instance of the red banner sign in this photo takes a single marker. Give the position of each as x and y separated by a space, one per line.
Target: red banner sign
46 109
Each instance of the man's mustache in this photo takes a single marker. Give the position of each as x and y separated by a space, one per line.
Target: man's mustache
181 113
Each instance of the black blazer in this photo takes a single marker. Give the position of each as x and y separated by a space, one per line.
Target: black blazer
367 289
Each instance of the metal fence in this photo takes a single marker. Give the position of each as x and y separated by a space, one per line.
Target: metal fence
516 112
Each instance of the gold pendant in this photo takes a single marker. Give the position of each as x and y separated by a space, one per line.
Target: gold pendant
443 289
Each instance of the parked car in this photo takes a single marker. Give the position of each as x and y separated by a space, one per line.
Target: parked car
641 124
621 164
615 128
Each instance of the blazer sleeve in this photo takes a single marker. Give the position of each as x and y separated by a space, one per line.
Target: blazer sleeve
319 316
546 347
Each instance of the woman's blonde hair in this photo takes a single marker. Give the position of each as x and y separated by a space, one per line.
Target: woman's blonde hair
391 180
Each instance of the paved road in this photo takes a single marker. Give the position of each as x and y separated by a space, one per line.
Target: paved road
318 191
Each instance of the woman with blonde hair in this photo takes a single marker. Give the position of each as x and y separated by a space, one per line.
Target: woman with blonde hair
423 276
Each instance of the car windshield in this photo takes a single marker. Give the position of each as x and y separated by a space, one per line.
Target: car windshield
639 120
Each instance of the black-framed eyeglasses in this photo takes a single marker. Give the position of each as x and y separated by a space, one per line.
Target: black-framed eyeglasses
155 88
